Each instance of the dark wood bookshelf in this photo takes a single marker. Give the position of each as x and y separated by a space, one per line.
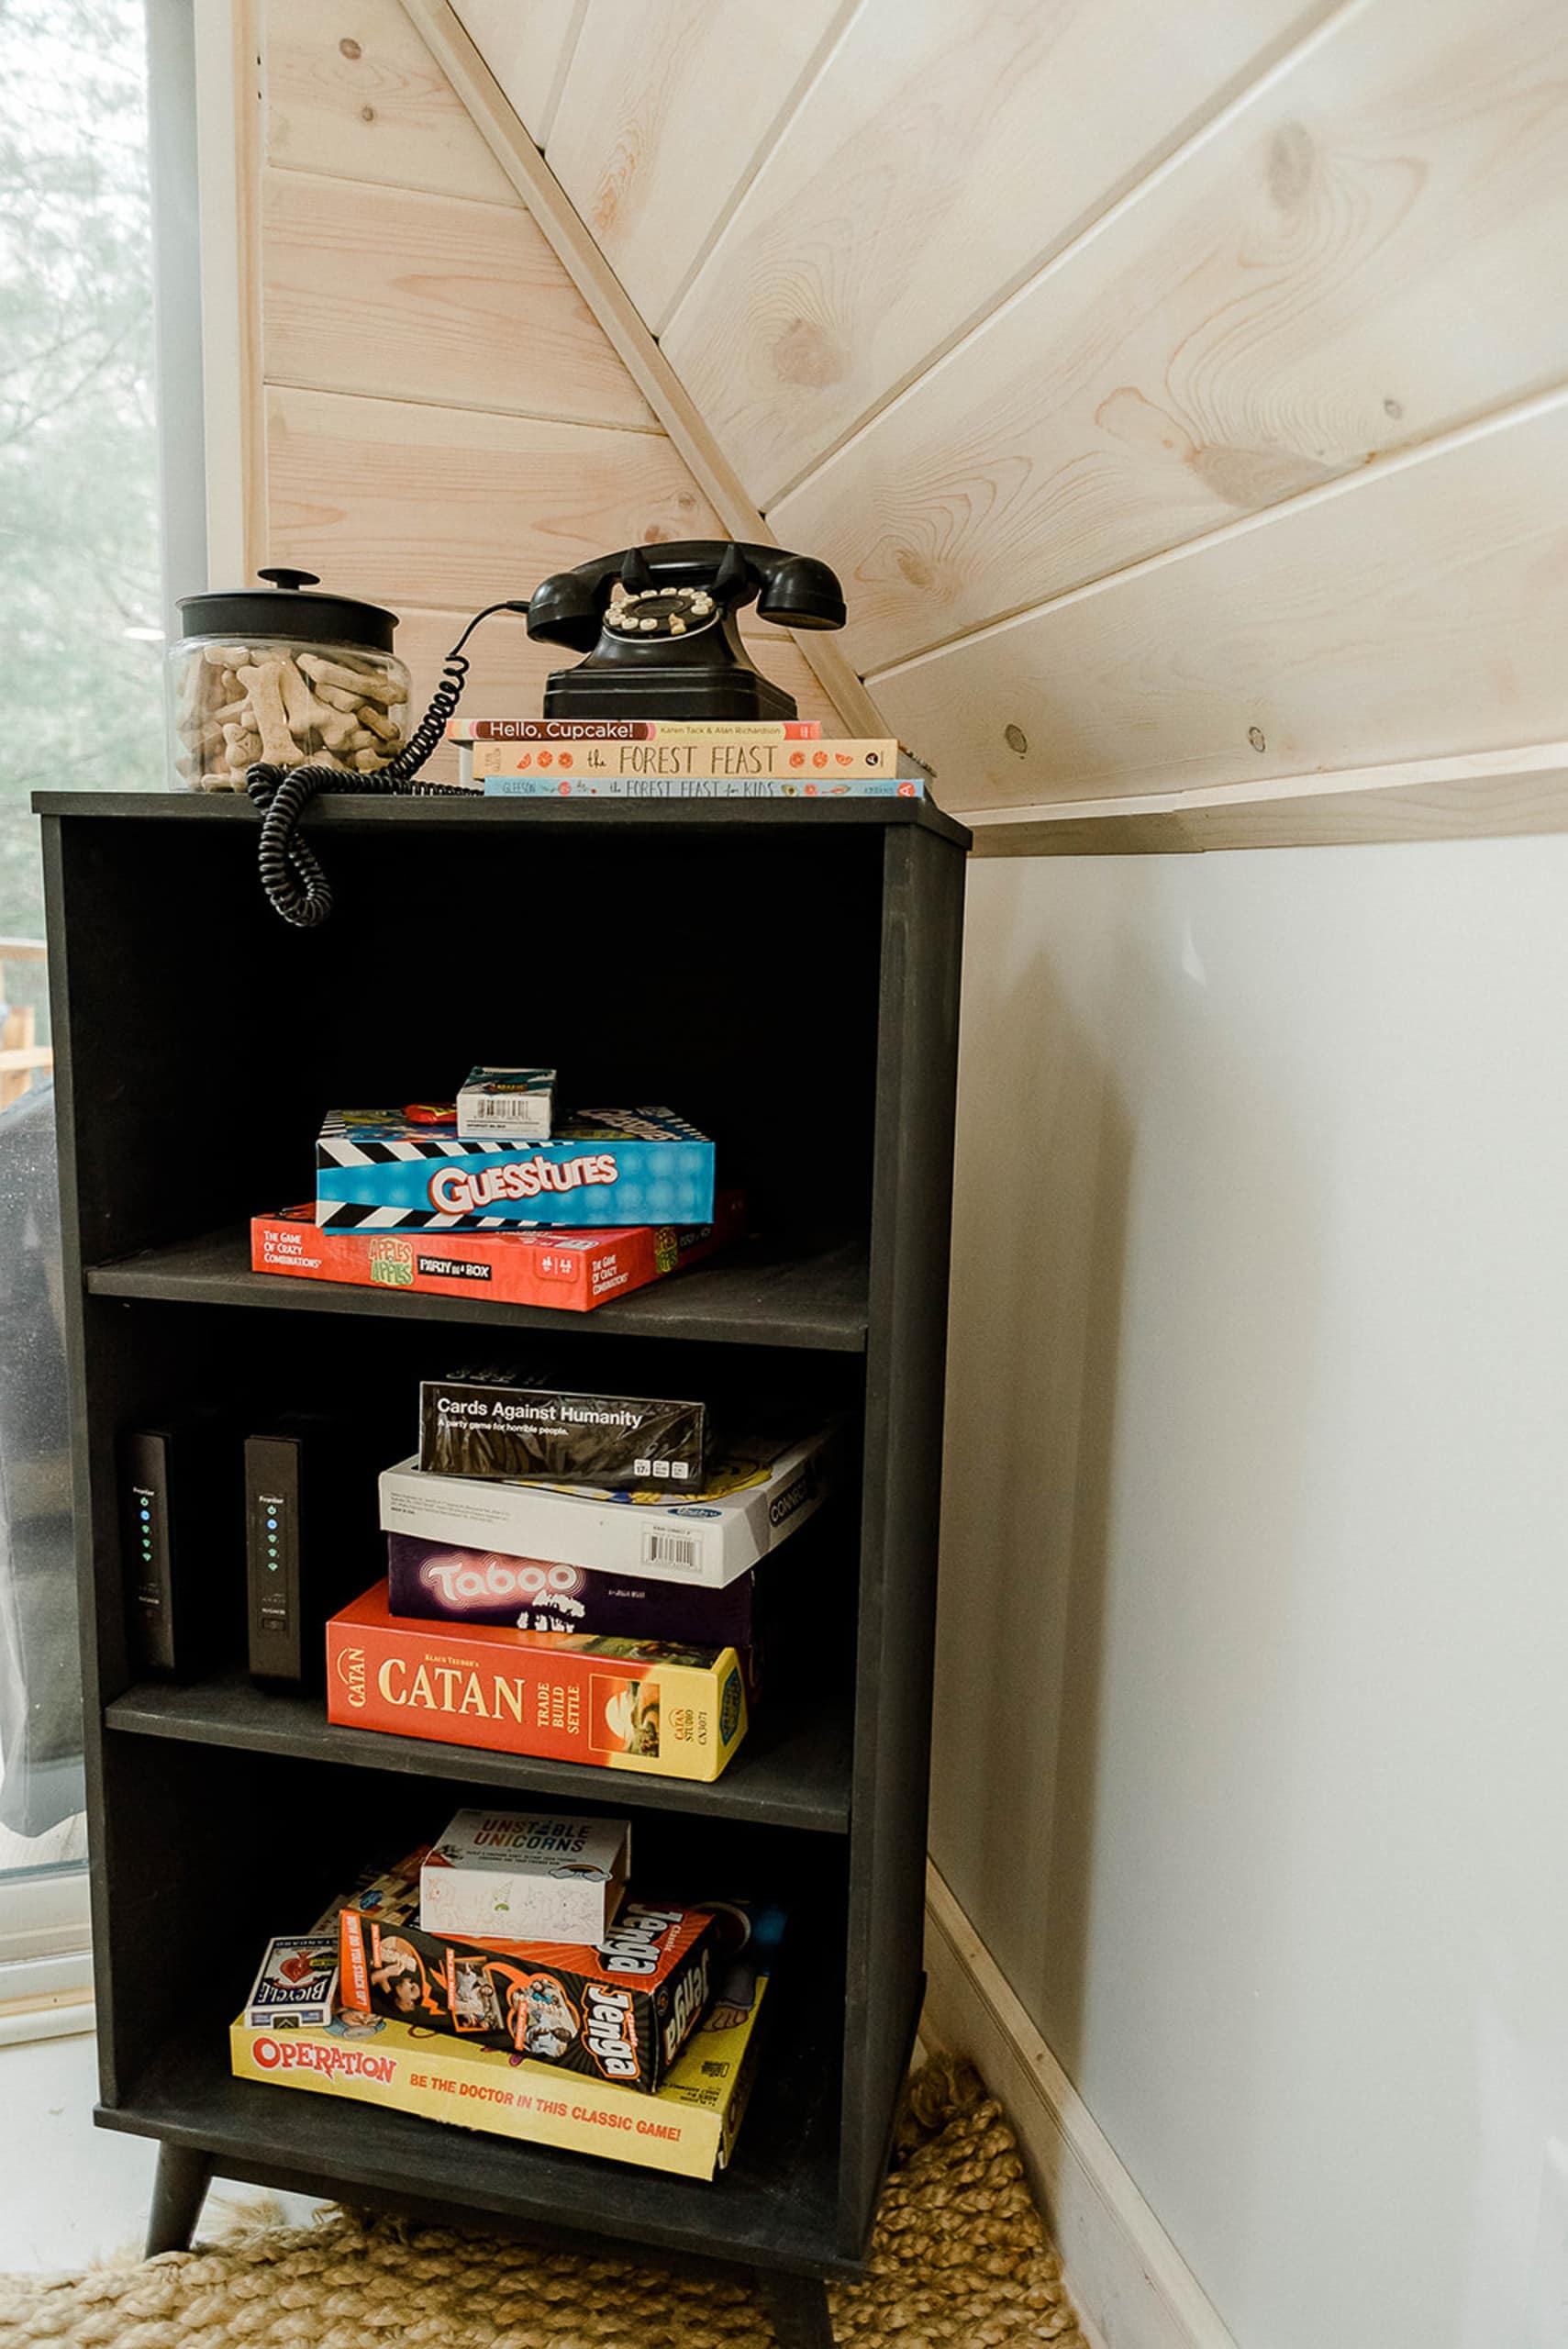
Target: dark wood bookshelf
787 976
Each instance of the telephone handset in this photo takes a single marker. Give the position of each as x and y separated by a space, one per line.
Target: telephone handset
667 646
658 625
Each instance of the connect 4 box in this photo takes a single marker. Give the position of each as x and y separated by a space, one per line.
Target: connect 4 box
376 1171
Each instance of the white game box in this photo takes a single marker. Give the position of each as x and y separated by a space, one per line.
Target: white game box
524 1876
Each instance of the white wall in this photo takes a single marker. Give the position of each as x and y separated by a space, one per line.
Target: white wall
1252 1744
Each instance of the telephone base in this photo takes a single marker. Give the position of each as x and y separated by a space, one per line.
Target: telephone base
634 691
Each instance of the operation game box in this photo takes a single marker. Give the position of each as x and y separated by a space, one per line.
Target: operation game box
688 2127
571 1271
673 1712
378 1171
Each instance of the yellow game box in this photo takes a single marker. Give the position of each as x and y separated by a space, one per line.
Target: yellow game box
689 2126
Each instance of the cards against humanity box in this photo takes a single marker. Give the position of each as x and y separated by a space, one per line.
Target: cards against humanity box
569 1271
620 2008
512 1423
435 1581
297 1983
761 1490
376 1171
526 1876
689 2126
506 1104
670 1711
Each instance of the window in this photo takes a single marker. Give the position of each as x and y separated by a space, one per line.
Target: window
81 628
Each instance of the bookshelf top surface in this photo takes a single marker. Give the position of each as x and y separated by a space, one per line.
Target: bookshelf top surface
355 811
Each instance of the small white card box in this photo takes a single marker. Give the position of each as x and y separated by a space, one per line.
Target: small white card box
524 1876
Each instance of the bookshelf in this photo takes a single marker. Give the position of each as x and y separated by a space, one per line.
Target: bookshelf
788 977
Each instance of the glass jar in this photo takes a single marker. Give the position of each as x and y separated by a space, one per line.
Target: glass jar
274 674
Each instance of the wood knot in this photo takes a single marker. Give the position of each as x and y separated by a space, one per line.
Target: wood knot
806 354
350 49
915 569
1289 166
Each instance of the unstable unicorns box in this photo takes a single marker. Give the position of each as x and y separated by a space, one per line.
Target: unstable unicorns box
614 1704
529 1875
688 2127
376 1171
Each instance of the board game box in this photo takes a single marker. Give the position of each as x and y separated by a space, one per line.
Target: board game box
689 2127
514 1422
621 2010
673 1712
762 1488
442 1583
571 1271
376 1170
531 1876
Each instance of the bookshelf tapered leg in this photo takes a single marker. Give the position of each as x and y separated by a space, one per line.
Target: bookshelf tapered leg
178 2193
798 2308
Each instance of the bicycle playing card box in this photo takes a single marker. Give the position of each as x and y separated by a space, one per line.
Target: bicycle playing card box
378 1171
642 1705
571 1271
688 2127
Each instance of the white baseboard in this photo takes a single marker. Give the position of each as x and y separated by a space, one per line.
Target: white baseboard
1131 2286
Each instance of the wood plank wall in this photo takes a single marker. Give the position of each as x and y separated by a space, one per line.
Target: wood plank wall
1182 395
441 421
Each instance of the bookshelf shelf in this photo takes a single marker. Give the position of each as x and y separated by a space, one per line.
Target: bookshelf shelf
785 976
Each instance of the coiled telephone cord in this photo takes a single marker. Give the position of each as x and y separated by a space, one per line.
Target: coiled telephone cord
291 873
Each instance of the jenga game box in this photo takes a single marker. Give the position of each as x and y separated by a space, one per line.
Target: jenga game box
645 1705
571 1271
621 2011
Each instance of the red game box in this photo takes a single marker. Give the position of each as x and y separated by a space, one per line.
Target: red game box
573 1271
672 1713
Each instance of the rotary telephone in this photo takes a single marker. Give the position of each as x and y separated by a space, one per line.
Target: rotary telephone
666 646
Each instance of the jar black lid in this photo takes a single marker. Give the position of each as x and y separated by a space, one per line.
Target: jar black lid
284 610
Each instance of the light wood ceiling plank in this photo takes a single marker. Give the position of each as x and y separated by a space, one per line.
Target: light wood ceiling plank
1387 617
353 92
385 499
530 46
945 153
662 119
403 296
1358 261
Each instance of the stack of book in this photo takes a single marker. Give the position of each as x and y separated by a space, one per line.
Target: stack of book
648 758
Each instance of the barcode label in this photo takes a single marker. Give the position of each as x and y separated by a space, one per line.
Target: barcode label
669 1549
498 1104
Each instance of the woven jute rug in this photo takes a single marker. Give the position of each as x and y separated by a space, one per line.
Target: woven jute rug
960 2257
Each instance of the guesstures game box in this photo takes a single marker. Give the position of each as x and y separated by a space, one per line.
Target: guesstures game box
619 2012
689 2127
443 1584
529 1875
378 1171
762 1488
670 1711
570 1270
512 1423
